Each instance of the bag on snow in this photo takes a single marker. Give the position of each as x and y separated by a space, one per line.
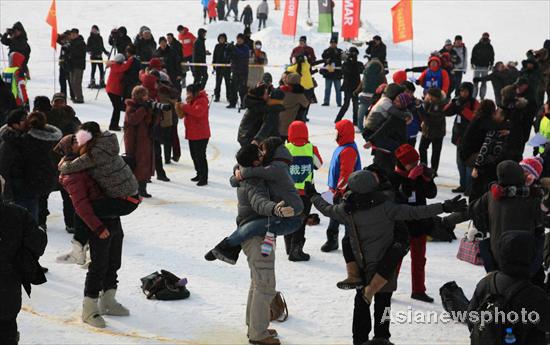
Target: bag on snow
453 298
164 286
498 302
279 309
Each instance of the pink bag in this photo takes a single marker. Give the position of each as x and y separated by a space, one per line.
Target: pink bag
469 251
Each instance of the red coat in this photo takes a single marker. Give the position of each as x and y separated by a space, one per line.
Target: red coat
83 190
187 40
138 122
195 121
114 80
212 12
149 81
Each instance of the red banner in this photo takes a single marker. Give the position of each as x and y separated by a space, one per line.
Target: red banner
51 19
350 18
401 15
290 17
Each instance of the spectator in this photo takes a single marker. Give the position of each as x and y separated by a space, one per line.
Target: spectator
483 57
332 72
261 13
77 64
462 66
376 49
96 49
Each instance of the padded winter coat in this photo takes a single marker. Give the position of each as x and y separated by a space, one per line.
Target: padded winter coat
293 102
332 56
138 124
77 53
145 48
105 165
253 200
197 126
94 46
187 40
116 77
252 119
483 54
306 79
270 123
433 120
255 74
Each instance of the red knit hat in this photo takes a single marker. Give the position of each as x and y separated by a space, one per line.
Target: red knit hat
407 155
532 165
399 77
155 63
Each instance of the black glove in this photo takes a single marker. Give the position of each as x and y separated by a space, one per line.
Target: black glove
456 204
477 80
309 190
408 69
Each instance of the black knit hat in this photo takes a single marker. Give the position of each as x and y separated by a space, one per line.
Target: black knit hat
510 173
277 94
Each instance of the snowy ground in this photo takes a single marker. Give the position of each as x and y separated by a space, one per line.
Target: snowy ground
181 222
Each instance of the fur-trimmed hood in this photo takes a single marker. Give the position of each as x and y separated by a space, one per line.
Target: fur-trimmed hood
49 133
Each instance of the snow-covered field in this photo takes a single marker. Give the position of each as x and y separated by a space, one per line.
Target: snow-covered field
181 222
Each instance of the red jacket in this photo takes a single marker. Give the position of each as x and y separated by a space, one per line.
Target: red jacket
149 81
445 81
187 40
307 50
212 12
348 156
83 190
195 121
114 80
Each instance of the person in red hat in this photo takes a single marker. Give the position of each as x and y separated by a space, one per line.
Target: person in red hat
415 183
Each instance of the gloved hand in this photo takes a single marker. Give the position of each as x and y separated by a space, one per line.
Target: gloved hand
416 172
473 233
309 190
456 204
457 102
408 69
282 211
477 79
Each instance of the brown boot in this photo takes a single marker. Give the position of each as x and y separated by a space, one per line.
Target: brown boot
353 281
375 285
271 340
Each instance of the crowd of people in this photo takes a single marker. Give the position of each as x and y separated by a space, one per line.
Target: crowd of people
383 207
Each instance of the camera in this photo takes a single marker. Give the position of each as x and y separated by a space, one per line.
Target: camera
154 105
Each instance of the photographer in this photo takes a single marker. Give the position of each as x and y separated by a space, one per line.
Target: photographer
77 64
16 40
377 49
64 68
352 70
222 55
332 72
96 49
119 39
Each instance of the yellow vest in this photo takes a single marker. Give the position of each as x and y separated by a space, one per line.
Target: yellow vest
544 130
301 168
9 77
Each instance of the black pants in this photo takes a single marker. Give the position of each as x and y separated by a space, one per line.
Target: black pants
362 323
98 66
68 209
200 75
457 80
8 331
235 10
158 159
437 144
118 106
261 22
63 81
106 258
197 149
349 97
299 235
223 74
385 161
238 88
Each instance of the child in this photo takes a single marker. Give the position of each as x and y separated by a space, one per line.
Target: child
306 158
286 214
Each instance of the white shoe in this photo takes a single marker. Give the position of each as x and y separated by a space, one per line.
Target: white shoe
90 313
108 305
77 255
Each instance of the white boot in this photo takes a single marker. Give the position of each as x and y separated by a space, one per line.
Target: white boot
90 313
108 305
77 255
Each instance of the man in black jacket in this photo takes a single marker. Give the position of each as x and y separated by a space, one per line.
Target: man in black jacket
16 40
352 70
200 73
77 64
483 57
145 45
96 49
222 55
18 232
332 72
377 49
119 39
171 61
240 54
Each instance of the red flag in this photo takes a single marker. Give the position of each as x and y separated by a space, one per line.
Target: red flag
402 21
51 19
350 18
290 17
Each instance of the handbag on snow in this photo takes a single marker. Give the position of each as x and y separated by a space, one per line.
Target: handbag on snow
279 309
164 286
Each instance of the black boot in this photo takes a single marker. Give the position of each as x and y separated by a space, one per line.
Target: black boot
142 190
297 252
226 253
332 241
288 244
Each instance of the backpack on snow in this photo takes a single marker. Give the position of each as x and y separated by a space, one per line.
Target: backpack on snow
164 286
498 301
453 298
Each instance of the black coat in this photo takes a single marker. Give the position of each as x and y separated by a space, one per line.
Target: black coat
120 41
252 119
131 78
199 51
77 53
95 46
171 61
18 230
222 54
473 137
483 54
7 101
352 71
221 9
501 79
455 58
332 56
17 44
247 17
145 48
378 52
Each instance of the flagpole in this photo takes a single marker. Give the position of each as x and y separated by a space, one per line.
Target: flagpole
412 55
54 78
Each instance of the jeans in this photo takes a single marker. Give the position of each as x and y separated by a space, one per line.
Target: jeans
101 70
223 74
261 23
76 83
349 97
118 106
197 149
437 144
337 87
277 226
362 323
480 72
364 105
465 173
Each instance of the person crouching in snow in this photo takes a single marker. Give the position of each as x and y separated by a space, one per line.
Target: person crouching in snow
105 240
371 219
305 159
286 215
415 184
